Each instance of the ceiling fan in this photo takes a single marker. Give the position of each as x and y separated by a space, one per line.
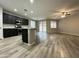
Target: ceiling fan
66 13
62 13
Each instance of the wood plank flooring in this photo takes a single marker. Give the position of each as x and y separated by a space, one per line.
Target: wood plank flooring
53 46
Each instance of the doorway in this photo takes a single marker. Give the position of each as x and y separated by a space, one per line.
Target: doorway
42 34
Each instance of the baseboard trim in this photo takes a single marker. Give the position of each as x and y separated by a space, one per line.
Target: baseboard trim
27 44
69 33
30 44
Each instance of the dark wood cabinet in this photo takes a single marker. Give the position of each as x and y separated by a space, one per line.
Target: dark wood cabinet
14 32
8 19
10 32
25 35
5 18
11 19
25 22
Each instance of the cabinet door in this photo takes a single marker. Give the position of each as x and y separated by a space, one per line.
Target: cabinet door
10 32
11 19
24 21
25 35
5 18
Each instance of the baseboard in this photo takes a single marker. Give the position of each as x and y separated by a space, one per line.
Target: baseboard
31 44
1 38
26 44
69 33
52 32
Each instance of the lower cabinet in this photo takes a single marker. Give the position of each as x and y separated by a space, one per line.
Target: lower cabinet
10 32
25 35
28 35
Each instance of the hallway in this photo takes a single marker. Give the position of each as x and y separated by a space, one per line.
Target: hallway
56 45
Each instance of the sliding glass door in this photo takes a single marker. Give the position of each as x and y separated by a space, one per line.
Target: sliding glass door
42 26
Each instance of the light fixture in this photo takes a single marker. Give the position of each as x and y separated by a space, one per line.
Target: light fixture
15 10
32 1
63 16
25 14
32 12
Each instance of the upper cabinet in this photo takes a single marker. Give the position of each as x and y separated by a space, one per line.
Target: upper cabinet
25 22
5 18
8 19
11 19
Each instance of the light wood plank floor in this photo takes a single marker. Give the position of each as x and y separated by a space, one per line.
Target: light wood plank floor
53 46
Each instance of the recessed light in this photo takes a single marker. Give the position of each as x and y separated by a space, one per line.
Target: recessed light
32 12
15 10
32 1
25 14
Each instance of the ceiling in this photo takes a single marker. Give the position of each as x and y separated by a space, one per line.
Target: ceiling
42 9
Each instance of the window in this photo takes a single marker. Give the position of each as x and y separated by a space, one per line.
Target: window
53 24
33 24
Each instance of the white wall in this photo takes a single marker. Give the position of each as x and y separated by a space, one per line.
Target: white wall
1 23
70 25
